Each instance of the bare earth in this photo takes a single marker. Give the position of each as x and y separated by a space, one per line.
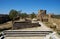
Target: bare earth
6 25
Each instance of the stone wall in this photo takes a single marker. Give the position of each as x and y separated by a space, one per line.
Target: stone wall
21 25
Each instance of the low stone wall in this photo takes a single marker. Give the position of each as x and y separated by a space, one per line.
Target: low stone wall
21 25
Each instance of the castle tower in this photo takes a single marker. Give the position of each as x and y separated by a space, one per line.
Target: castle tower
41 14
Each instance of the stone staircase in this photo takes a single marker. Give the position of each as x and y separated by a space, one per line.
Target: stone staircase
26 33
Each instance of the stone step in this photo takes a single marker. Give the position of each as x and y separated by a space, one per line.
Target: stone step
26 33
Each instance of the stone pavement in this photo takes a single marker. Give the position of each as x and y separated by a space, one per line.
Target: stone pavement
42 28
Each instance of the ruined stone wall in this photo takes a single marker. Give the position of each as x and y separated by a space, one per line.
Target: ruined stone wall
42 16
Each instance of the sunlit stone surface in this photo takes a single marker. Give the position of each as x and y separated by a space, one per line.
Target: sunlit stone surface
42 28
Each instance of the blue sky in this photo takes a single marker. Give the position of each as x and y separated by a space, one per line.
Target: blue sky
29 6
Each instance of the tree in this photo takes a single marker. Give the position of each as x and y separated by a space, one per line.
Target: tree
24 15
33 15
13 14
19 13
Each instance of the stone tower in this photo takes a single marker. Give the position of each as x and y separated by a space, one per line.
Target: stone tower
41 14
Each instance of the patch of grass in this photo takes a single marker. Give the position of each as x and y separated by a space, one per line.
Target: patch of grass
58 33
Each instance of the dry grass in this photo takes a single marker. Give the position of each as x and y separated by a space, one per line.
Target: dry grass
57 21
5 25
50 24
